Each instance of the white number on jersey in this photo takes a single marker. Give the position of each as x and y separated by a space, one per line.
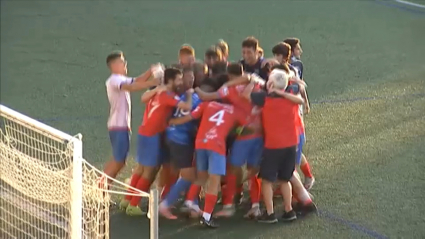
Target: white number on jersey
217 118
155 106
181 113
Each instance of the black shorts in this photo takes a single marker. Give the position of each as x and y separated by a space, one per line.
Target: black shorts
181 155
278 164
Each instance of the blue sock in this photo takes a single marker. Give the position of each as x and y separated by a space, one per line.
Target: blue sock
181 185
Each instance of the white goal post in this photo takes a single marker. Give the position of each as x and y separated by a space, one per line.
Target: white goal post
47 189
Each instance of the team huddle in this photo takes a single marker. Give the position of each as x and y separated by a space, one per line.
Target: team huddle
206 121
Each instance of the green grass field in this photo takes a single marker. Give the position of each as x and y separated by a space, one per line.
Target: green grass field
364 67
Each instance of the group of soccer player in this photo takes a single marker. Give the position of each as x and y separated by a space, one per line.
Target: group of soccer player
204 121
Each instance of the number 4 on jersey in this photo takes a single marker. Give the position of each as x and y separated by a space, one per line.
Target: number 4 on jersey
217 118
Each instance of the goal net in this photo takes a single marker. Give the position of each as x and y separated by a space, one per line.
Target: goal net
46 189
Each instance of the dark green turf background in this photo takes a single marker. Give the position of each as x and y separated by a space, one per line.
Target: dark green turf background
367 155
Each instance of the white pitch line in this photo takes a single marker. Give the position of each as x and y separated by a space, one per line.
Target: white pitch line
410 3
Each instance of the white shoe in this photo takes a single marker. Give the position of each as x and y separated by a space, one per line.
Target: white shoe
226 211
253 213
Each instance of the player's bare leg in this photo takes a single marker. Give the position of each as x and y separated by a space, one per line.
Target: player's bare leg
305 202
308 176
286 189
267 192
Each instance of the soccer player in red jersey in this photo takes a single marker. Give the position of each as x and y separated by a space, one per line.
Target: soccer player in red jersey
279 116
148 157
248 146
282 52
217 121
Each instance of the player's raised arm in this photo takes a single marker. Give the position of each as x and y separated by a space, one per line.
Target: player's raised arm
297 99
186 105
195 114
246 93
151 93
141 82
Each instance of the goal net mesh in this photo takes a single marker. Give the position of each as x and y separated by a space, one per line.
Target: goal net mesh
36 186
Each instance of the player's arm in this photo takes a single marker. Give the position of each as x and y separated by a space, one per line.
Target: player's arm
297 99
180 120
141 82
195 114
246 93
151 93
207 96
303 93
186 105
238 81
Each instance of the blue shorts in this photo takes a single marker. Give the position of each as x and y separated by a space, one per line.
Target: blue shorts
247 151
213 162
300 149
150 151
120 141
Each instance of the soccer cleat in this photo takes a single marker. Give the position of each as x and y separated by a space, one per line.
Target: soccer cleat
210 224
165 212
267 218
309 182
253 213
134 211
226 211
124 204
289 216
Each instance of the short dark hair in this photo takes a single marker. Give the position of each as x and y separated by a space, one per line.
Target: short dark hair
235 68
214 52
113 56
250 42
293 42
187 50
171 74
283 49
224 47
283 67
219 68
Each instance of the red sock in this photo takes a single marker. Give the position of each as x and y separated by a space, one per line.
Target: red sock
305 168
142 185
134 179
229 191
210 201
255 189
193 192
